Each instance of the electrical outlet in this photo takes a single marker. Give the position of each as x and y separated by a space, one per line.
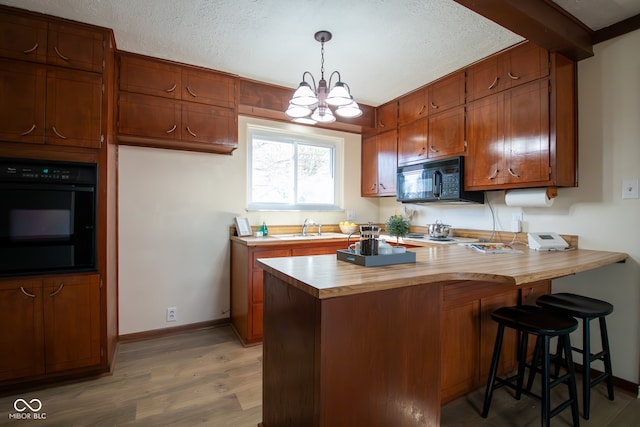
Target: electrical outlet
630 189
516 222
172 314
351 215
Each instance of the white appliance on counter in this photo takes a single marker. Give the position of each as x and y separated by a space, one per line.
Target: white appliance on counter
547 241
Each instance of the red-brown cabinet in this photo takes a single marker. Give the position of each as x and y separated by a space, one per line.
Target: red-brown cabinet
379 164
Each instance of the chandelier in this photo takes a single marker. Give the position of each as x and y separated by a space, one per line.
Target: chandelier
310 104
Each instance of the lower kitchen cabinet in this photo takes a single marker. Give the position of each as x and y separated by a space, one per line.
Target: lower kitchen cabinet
53 325
469 333
247 281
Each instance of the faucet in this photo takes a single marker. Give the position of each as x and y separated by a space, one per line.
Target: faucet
307 223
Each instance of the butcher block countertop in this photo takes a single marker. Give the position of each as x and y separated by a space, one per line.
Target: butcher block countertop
324 276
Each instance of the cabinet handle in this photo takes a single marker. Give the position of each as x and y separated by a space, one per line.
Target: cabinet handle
59 54
434 105
494 174
57 291
421 110
57 133
24 291
171 130
192 134
382 186
433 149
380 124
512 173
512 76
190 92
493 84
33 127
421 152
35 46
171 89
373 187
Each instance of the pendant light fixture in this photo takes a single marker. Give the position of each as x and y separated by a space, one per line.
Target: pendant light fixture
310 104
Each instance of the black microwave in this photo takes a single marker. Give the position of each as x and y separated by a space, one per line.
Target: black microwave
435 181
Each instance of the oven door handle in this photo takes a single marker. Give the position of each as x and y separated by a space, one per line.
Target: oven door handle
437 183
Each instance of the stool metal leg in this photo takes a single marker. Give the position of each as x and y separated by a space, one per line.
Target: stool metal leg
607 356
586 367
492 373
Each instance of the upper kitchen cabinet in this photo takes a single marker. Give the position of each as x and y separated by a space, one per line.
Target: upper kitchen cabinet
412 142
447 93
387 116
413 106
519 65
167 105
23 38
446 136
525 136
72 47
379 164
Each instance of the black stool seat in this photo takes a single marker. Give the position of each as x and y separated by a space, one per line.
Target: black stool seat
586 309
544 324
575 305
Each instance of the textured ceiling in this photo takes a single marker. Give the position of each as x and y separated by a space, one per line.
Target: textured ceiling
382 48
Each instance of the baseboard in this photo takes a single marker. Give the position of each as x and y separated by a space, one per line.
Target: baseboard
157 333
628 387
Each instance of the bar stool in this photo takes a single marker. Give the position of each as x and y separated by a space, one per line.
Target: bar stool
544 324
586 309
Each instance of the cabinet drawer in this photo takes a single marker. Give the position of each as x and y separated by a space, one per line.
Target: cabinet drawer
208 87
150 77
73 47
274 253
23 38
148 116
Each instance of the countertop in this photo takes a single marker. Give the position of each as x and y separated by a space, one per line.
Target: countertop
324 276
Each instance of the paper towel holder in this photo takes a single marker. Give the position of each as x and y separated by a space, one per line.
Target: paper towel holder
552 192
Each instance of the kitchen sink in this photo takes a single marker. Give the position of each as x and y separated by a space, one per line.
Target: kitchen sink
309 236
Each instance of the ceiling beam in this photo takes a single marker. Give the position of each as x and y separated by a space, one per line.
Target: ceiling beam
540 21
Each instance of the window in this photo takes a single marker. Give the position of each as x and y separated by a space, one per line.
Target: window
292 172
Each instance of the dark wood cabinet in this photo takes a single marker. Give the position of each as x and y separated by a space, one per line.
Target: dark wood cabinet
53 325
23 38
379 164
163 104
71 46
412 142
517 66
508 138
247 281
446 136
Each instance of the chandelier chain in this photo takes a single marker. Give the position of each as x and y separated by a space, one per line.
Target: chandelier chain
322 59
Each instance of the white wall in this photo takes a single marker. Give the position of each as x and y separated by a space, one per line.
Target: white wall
609 151
175 209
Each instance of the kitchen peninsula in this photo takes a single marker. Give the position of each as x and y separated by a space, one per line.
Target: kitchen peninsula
348 345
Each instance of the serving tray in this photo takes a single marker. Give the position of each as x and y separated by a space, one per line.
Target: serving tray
375 260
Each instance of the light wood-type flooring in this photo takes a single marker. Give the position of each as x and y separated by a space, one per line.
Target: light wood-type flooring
207 378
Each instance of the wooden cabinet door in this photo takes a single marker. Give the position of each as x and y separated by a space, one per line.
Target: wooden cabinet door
72 322
483 79
524 63
446 134
208 87
74 106
413 106
387 116
23 38
22 90
485 142
488 331
148 116
460 349
447 93
369 171
412 142
209 125
150 77
386 146
73 47
526 134
22 349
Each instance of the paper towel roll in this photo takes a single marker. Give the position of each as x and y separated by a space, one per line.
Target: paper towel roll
528 198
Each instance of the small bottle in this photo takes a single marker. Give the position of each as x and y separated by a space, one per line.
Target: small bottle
264 229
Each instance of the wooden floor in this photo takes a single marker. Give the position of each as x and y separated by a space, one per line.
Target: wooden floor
207 378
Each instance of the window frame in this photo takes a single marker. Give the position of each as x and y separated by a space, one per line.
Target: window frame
289 136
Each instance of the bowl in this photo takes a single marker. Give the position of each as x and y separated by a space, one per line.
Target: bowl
348 229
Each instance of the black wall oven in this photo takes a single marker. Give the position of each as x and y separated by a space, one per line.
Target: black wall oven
47 217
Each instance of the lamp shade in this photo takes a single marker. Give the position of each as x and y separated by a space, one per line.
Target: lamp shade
350 110
339 95
304 96
323 115
296 111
